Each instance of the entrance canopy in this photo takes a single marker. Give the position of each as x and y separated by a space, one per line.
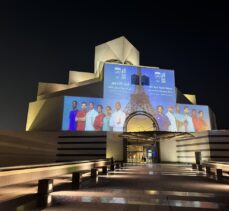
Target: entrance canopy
153 136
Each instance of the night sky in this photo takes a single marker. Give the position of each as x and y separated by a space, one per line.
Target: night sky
43 40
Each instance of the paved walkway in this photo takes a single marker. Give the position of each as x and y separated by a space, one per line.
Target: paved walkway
142 187
152 187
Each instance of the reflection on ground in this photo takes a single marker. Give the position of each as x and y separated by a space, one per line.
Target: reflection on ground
134 187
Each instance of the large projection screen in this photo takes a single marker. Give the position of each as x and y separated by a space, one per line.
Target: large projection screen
129 89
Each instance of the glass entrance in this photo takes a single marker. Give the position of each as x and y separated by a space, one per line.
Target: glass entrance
135 154
140 151
146 153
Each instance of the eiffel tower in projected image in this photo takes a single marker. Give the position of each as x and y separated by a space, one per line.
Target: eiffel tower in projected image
139 101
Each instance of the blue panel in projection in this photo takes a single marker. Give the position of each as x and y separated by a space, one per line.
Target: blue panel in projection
120 82
117 80
161 89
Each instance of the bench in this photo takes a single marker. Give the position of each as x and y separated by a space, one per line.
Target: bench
45 173
219 170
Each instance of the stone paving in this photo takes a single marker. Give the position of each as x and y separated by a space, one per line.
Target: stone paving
134 187
146 187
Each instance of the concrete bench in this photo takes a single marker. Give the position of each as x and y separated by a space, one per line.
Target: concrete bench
23 174
45 173
219 170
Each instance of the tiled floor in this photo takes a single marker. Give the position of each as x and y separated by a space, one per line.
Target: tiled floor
137 187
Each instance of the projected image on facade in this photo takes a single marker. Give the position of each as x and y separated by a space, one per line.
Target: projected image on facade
82 114
191 118
143 87
130 89
92 114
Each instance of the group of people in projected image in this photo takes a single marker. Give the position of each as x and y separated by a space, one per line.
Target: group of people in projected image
177 121
89 118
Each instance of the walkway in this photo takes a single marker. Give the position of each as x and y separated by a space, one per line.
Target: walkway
164 187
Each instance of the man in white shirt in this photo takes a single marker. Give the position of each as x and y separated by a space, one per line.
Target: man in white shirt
172 119
179 119
117 118
90 118
189 127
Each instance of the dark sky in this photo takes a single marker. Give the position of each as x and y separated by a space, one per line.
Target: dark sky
43 40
